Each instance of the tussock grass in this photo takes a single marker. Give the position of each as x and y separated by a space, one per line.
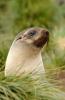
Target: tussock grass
28 88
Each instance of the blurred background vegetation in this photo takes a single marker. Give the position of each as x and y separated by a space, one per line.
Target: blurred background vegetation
16 15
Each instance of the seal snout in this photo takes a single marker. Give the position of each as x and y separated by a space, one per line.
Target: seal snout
43 39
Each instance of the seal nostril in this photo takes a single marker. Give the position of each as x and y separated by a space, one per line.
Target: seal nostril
47 33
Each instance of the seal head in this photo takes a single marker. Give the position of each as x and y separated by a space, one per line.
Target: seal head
35 36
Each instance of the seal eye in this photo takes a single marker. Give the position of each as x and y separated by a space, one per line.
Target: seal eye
32 33
19 38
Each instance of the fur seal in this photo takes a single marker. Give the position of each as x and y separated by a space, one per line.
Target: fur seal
25 53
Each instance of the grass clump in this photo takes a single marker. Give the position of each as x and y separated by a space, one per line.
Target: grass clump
28 88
